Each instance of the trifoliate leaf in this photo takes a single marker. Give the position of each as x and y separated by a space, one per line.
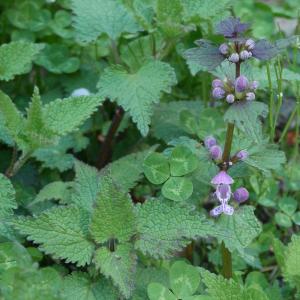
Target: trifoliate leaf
288 205
102 16
158 291
174 227
177 188
182 161
156 168
16 58
184 279
86 186
62 232
245 115
291 269
137 92
79 286
119 265
283 220
7 197
232 229
113 217
65 115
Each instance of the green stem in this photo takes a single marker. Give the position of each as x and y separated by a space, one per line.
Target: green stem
18 165
227 262
288 123
271 104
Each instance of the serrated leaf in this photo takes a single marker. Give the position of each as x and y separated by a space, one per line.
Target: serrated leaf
184 279
63 116
156 168
137 92
7 197
245 115
177 188
113 217
158 291
86 186
231 229
119 265
79 286
182 161
62 232
16 58
174 227
102 16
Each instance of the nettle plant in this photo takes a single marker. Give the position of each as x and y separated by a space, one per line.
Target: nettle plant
96 238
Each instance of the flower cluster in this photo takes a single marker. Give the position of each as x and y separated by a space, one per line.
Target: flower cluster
222 183
240 89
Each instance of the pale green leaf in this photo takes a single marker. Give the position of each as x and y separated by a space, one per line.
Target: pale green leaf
182 161
16 58
113 217
177 188
63 116
62 232
137 92
118 265
156 168
173 228
157 291
283 220
102 16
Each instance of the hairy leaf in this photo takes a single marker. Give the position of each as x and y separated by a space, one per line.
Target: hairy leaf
62 232
137 92
7 197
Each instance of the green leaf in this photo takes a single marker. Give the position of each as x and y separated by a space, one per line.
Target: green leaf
7 197
86 186
158 291
63 116
113 217
119 265
279 251
177 188
156 168
245 115
288 205
184 279
102 16
182 161
62 232
16 58
283 220
137 92
173 228
291 269
79 286
239 230
296 218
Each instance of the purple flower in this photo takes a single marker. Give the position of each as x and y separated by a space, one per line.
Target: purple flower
223 192
234 58
242 155
209 141
216 152
254 85
224 49
222 178
250 44
241 84
223 208
218 93
217 83
245 55
231 27
230 98
241 195
250 96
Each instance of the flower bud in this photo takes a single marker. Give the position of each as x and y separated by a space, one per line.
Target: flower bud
245 55
234 57
218 93
230 98
217 83
250 96
254 85
250 44
241 84
242 155
224 49
241 195
210 141
216 152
